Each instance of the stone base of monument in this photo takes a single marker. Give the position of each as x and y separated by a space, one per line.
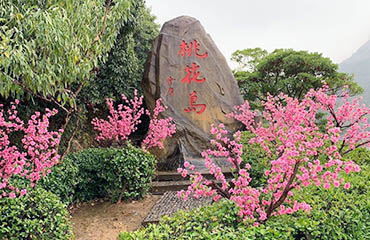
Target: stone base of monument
172 181
199 163
170 203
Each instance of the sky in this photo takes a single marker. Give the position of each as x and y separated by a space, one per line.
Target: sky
335 28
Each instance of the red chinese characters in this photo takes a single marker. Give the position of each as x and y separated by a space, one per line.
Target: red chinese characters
187 49
193 104
192 74
170 90
195 72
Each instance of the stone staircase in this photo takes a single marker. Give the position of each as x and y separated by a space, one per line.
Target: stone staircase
173 181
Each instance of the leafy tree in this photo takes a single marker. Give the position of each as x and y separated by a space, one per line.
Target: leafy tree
288 71
49 49
123 70
249 58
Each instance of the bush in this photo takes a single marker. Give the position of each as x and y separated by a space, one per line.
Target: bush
338 213
360 156
254 155
37 215
63 180
202 223
106 172
217 221
102 172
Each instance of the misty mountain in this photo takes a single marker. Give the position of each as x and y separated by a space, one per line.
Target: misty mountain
359 65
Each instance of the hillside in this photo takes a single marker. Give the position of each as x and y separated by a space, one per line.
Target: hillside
359 65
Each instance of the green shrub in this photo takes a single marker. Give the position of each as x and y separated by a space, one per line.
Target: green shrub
63 180
217 221
338 213
360 156
201 223
102 172
37 215
105 172
256 157
92 163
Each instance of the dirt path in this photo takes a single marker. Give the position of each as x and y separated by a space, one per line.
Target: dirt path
104 220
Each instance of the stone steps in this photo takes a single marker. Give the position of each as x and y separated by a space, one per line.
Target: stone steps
173 181
161 187
175 176
158 188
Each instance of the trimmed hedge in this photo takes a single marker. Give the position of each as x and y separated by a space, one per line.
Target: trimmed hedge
202 223
102 172
63 179
217 221
37 215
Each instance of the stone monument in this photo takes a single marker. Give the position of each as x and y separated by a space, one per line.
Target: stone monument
186 69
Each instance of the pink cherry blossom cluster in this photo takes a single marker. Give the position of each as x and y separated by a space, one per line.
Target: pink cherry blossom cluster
37 154
300 153
159 129
124 121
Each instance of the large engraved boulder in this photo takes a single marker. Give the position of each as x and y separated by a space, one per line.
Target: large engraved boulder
186 70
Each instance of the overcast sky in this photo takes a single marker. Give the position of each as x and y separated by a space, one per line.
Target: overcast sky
336 28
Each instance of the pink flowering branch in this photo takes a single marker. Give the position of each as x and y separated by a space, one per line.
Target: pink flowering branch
124 121
159 129
300 153
37 155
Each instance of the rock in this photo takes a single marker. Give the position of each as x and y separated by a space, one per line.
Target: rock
186 70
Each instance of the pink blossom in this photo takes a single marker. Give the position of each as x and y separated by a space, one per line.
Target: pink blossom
294 144
124 120
37 154
159 129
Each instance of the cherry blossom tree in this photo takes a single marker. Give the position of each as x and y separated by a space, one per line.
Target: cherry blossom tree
121 121
159 129
124 120
36 155
301 153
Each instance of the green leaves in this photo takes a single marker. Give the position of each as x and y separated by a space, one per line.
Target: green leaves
123 70
48 48
37 215
102 172
248 58
288 71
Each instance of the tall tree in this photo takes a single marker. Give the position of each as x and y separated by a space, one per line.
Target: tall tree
123 70
249 58
288 71
49 49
